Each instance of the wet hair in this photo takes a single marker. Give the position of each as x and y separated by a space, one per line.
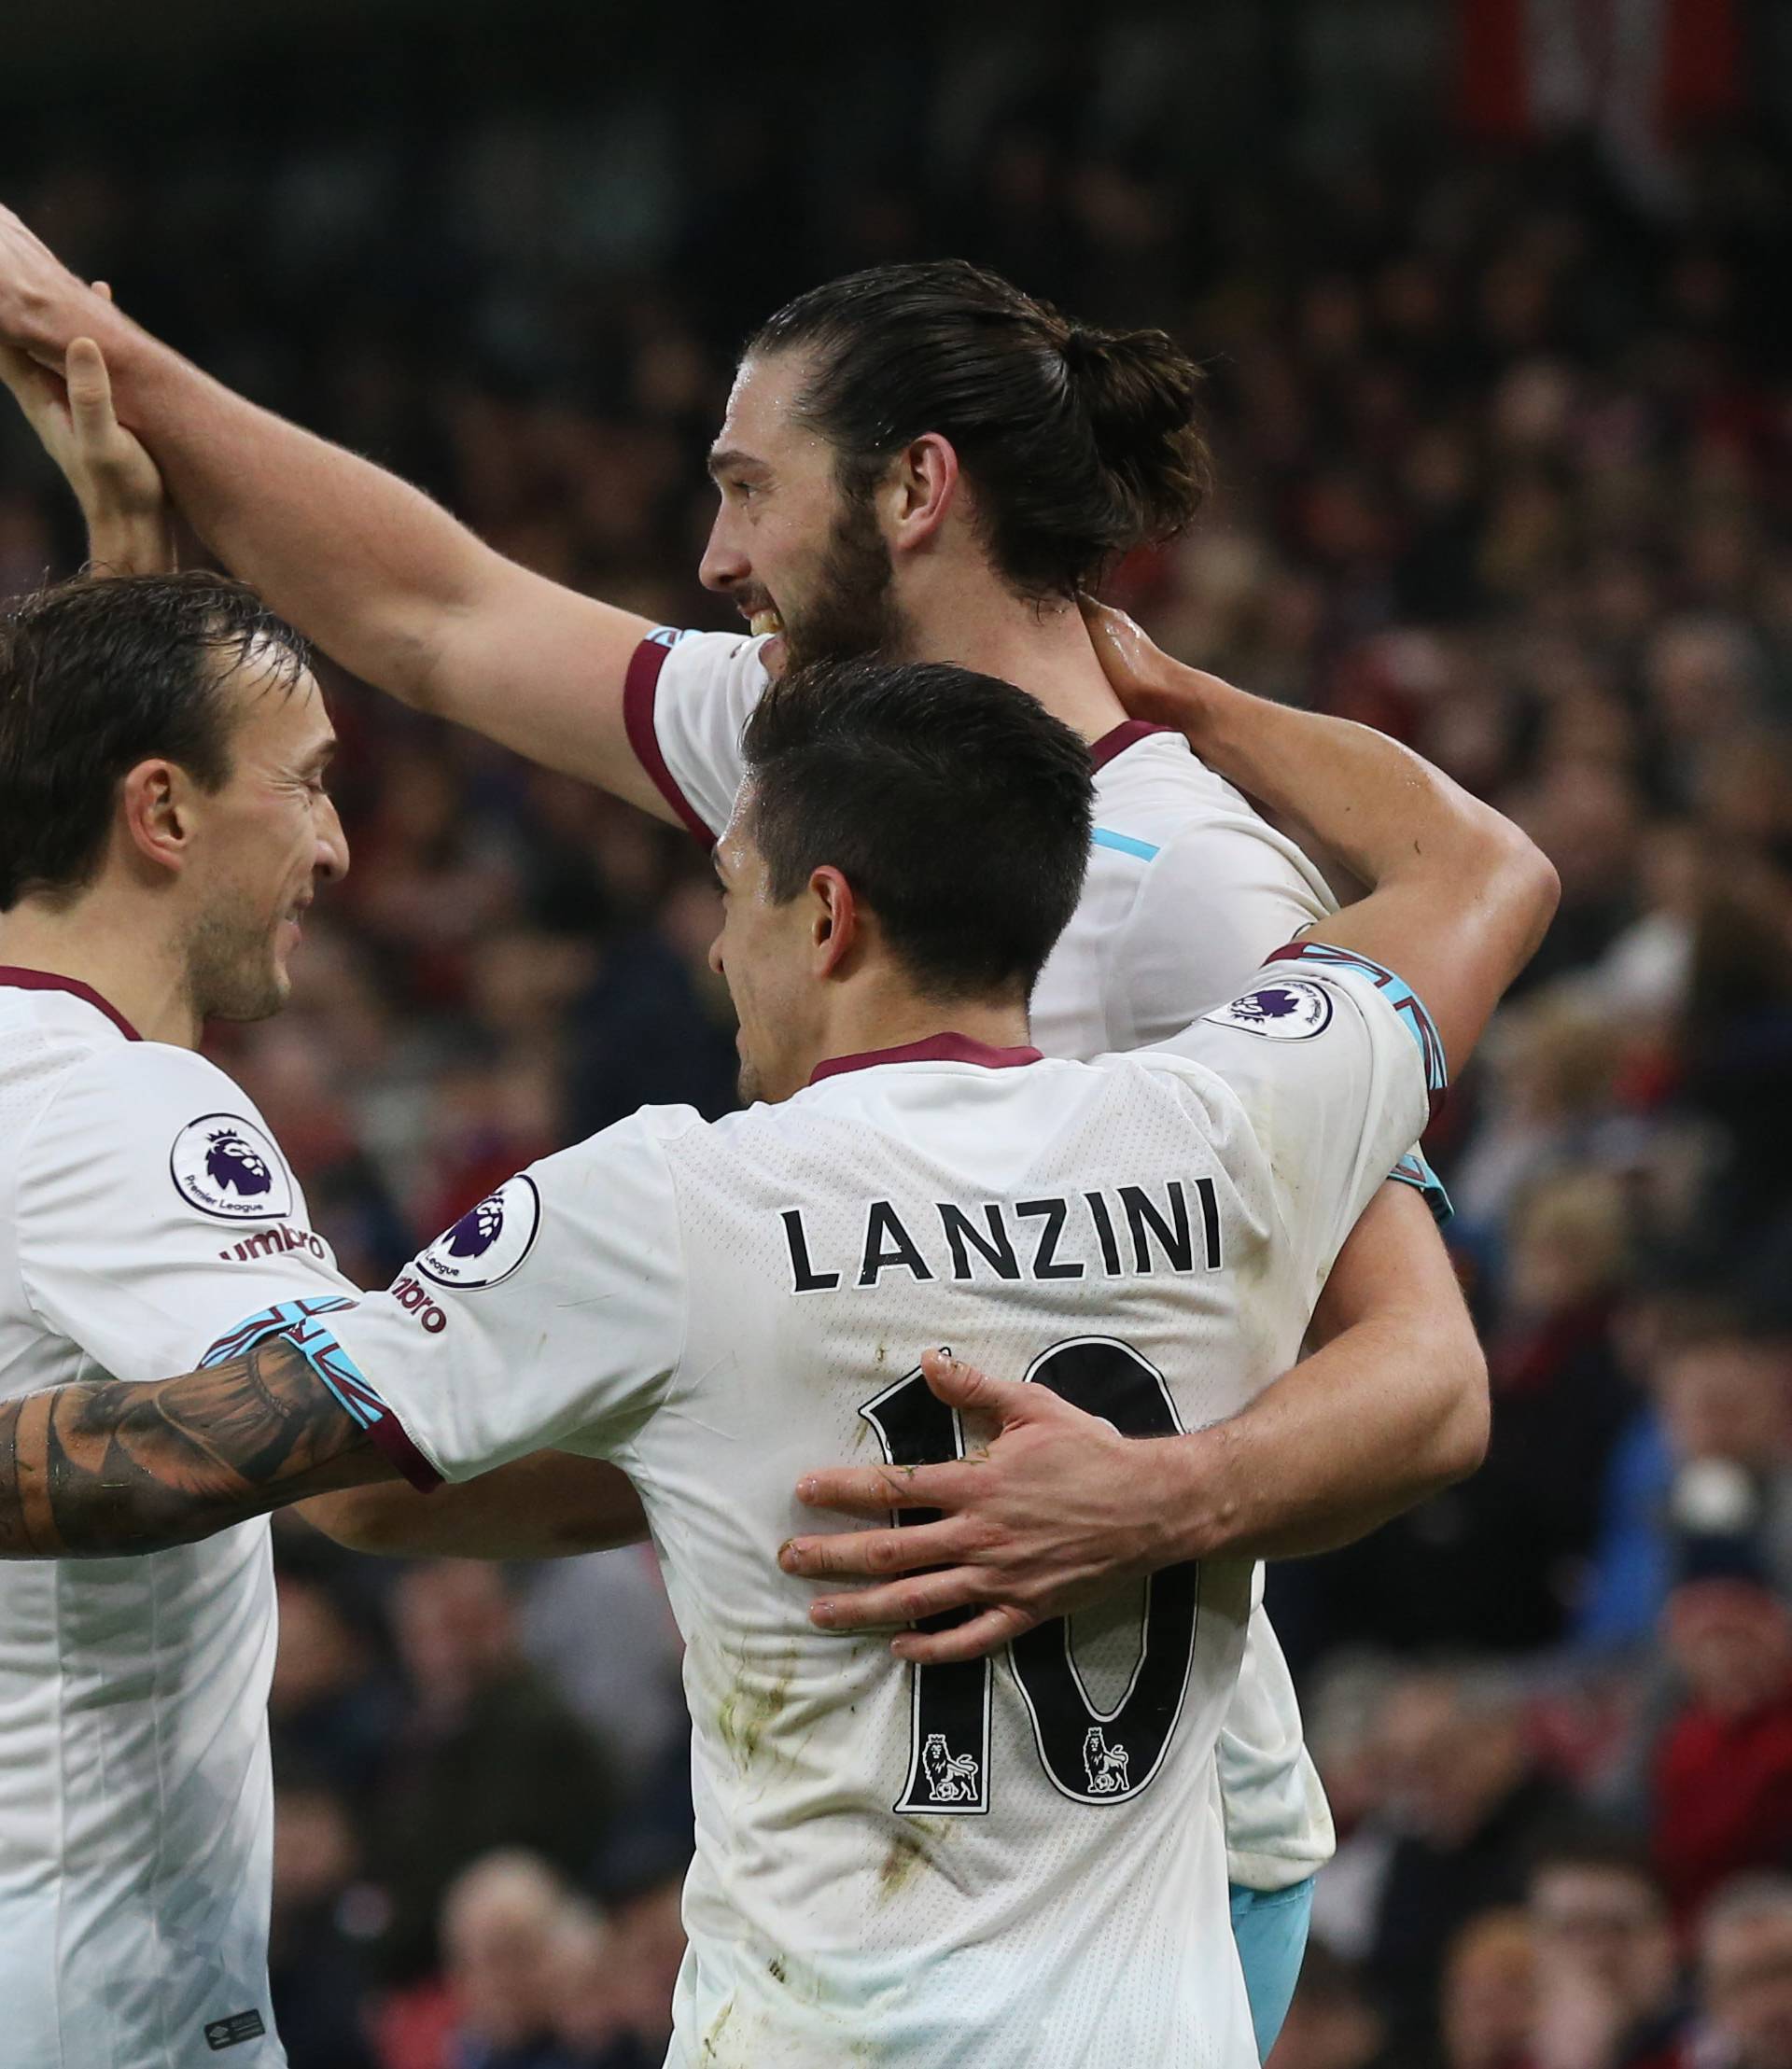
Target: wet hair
1080 443
956 807
99 674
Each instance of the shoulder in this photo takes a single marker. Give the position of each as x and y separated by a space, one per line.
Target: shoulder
683 662
134 1106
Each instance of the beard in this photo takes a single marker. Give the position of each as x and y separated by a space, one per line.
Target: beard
854 608
231 971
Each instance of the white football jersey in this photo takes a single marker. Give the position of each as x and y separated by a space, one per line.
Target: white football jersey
981 1866
1187 890
144 1205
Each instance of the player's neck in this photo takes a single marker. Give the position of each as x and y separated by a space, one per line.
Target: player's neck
108 947
1045 652
866 1020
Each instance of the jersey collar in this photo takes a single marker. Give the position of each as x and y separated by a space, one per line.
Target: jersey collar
43 980
1128 733
939 1048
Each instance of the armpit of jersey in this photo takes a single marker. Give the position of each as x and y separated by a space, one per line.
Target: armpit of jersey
1400 996
297 1321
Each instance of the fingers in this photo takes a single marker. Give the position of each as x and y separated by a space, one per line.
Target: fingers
899 1601
859 1553
986 1632
89 396
876 1489
965 1386
104 289
37 391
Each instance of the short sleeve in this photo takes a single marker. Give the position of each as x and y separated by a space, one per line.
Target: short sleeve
1214 902
1336 1063
154 1208
551 1314
685 700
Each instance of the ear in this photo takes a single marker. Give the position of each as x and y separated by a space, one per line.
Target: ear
157 797
833 921
925 487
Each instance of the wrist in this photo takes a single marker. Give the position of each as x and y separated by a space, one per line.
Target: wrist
1197 1501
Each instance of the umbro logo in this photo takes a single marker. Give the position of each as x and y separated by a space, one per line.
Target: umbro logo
232 2032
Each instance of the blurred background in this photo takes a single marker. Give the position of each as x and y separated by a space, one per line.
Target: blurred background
1495 300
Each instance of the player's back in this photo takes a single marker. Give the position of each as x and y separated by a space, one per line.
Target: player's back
988 1866
135 1803
1005 1863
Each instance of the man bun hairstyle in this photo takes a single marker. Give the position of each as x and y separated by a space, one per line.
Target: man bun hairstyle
99 674
1080 443
956 807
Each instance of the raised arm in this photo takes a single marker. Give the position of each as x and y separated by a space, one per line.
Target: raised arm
384 580
96 1469
1459 898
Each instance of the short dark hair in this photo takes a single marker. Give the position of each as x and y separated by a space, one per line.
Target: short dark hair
1080 443
955 805
1596 1844
99 674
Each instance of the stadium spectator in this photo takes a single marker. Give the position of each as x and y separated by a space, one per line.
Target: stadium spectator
1608 1985
488 1756
1745 1973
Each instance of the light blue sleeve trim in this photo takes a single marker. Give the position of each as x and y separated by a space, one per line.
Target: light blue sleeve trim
1269 1929
1412 1169
1124 844
1400 995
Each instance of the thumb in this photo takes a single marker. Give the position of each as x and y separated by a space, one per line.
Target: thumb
90 393
963 1386
104 289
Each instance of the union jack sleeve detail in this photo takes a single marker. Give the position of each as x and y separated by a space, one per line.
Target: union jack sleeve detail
297 1321
1399 995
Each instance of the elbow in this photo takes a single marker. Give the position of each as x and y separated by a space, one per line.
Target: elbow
1466 1423
1524 883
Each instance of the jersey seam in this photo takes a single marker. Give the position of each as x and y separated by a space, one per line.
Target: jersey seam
42 1115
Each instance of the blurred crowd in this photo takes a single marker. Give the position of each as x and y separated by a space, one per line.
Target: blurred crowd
1505 468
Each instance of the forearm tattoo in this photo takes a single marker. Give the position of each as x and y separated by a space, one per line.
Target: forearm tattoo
112 1468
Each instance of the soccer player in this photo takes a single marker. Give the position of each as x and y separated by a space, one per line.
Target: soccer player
948 1865
163 825
924 459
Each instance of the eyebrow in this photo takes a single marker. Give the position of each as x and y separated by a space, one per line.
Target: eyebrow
728 457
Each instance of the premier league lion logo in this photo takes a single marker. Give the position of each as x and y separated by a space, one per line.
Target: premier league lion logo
489 1241
1291 1011
1104 1766
227 1166
477 1229
1275 1004
950 1778
237 1166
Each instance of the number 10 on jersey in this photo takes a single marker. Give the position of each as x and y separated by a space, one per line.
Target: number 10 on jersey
1091 1756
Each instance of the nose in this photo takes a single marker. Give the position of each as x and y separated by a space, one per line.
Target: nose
725 564
715 957
332 845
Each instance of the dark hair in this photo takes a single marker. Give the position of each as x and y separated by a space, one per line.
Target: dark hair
99 674
1080 443
955 805
1598 1844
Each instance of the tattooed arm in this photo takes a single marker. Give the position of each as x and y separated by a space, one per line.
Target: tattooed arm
97 1470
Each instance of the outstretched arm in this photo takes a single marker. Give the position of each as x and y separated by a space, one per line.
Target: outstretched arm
97 1470
384 580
